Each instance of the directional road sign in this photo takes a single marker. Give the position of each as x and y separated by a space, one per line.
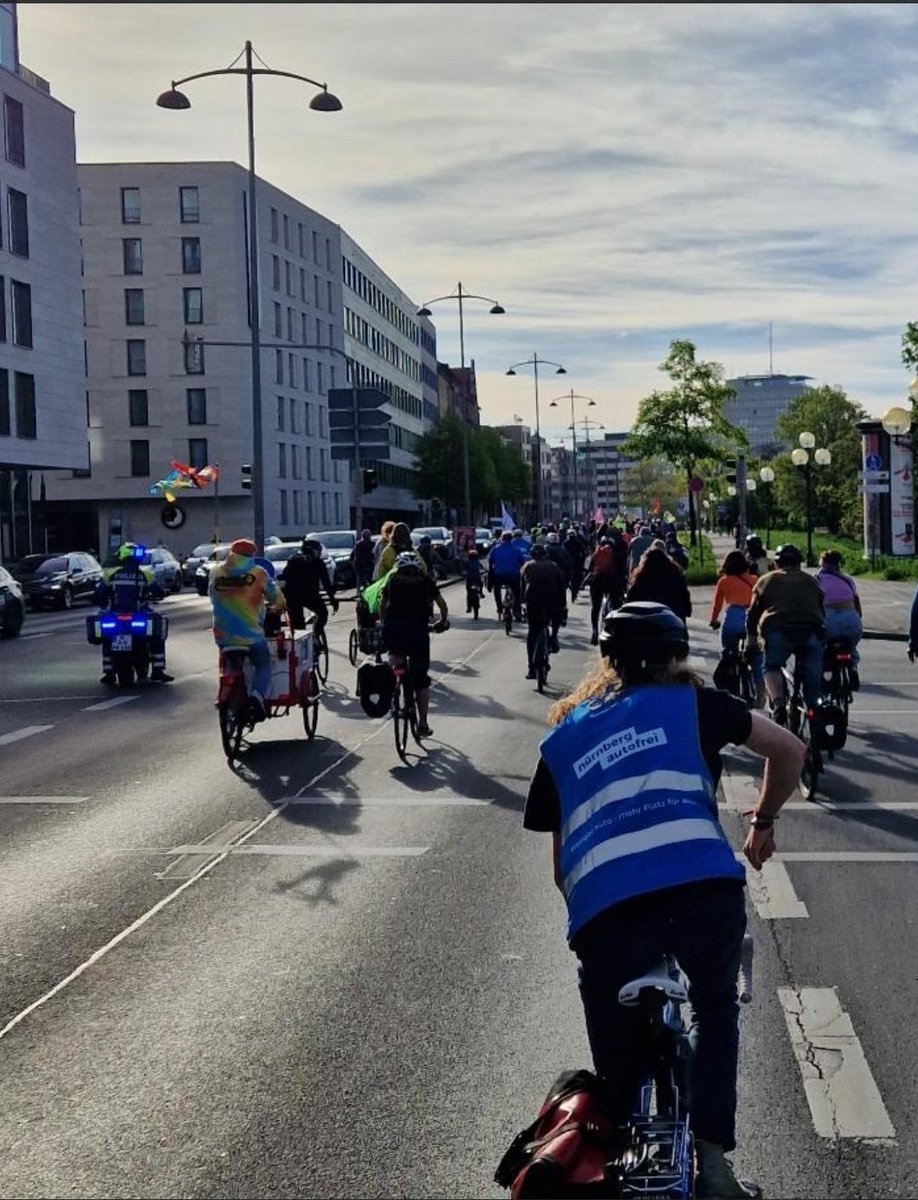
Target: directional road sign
874 476
873 489
367 397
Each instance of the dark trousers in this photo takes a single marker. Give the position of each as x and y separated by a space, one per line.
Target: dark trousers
514 586
606 585
702 925
298 614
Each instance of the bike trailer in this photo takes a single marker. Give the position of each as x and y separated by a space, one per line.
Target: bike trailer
291 662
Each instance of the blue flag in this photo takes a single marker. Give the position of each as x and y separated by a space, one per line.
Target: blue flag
506 517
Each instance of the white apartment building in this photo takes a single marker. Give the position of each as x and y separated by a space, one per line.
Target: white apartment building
165 260
604 469
42 386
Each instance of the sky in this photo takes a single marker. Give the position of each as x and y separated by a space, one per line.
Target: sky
617 176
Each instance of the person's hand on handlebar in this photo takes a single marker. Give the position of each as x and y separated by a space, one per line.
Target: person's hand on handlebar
714 624
335 603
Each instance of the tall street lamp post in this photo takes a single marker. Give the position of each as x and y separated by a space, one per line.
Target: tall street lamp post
800 457
495 310
591 403
535 362
767 476
323 101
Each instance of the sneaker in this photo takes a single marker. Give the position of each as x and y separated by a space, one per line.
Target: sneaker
855 679
530 674
257 711
425 731
716 1179
554 646
160 676
594 638
109 679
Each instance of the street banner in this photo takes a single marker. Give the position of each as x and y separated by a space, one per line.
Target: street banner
901 498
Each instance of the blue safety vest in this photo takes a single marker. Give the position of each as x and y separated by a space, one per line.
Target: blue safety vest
638 812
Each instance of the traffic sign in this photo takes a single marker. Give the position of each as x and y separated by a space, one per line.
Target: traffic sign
367 397
873 462
873 489
874 476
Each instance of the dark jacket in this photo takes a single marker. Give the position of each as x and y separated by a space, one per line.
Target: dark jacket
303 579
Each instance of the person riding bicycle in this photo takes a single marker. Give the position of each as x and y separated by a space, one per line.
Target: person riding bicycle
843 607
606 576
240 592
628 795
756 556
304 577
474 580
733 594
787 610
128 586
504 565
544 592
405 603
362 557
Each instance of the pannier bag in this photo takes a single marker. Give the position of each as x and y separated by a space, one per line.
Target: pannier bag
569 1149
830 726
374 688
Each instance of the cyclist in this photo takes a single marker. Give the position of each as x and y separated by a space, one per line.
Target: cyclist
756 555
240 591
544 592
473 579
399 543
787 607
576 549
734 594
128 586
843 607
557 552
606 576
504 564
642 861
304 578
405 602
362 557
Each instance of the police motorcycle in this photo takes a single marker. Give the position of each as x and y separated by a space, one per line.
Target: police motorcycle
131 634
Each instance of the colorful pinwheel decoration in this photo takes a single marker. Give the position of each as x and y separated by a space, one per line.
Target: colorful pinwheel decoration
183 477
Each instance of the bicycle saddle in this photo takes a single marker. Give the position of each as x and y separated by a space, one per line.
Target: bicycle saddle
659 979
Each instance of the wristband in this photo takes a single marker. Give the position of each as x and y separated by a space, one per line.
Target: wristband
758 822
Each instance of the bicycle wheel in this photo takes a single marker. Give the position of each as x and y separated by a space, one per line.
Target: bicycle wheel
232 716
812 762
321 656
352 648
400 720
414 723
309 704
475 600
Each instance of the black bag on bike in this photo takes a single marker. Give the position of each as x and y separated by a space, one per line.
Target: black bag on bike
374 688
830 726
567 1149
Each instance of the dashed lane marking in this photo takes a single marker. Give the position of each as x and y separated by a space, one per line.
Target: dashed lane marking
43 799
113 703
425 801
844 1099
772 893
340 851
27 731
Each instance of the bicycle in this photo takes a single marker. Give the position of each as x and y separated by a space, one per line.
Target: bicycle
734 673
801 721
540 656
405 702
473 596
321 654
506 608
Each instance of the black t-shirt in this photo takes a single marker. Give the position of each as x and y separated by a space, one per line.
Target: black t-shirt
409 599
722 720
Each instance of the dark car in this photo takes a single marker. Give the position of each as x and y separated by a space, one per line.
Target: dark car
191 563
58 580
12 605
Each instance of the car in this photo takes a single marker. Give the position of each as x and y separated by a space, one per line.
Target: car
192 561
202 572
58 580
280 553
167 570
441 539
484 539
339 545
12 605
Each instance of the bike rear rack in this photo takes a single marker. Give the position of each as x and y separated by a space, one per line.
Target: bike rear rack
658 1161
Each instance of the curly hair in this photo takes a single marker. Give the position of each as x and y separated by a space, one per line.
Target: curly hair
604 684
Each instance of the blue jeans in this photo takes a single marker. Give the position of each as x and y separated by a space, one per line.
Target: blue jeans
845 623
734 628
806 646
260 659
702 924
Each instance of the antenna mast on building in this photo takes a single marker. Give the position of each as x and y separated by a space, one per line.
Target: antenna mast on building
771 365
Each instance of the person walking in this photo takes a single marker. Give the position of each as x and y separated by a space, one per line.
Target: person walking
363 558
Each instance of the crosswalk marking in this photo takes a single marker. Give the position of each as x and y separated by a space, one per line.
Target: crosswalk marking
429 800
844 1099
43 799
311 851
18 734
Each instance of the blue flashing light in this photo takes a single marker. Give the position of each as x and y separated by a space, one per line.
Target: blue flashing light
109 626
139 552
139 623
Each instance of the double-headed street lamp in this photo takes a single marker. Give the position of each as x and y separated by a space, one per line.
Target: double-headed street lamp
323 101
535 362
495 310
591 403
767 476
800 457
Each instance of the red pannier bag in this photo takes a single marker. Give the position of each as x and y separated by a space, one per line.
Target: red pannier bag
568 1150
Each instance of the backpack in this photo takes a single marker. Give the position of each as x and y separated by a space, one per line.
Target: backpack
569 1148
374 688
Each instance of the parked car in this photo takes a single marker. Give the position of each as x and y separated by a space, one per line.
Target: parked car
339 544
202 572
12 605
441 539
192 561
484 539
57 580
167 570
279 555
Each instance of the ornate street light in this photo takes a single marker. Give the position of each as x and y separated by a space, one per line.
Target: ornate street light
767 476
534 362
800 457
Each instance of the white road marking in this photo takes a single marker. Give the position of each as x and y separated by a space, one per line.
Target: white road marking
30 637
773 894
43 799
43 699
844 1100
18 734
338 851
113 703
192 858
205 869
426 801
852 856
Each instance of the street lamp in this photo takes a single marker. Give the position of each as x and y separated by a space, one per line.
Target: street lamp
323 101
534 362
591 403
800 457
767 477
495 310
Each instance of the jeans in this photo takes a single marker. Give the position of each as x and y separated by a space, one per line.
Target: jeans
734 628
514 586
260 659
844 623
702 924
806 646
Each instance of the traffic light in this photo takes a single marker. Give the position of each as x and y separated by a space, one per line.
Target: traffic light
247 476
369 479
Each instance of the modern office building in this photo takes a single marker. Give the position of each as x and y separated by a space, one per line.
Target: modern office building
42 384
759 402
605 469
169 360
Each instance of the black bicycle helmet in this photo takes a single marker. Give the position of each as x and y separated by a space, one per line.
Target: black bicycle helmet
788 553
538 551
645 632
311 546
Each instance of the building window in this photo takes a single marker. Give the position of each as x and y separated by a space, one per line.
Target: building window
310 466
303 287
280 413
281 461
194 358
306 385
26 423
283 506
189 210
324 508
275 273
288 276
193 304
295 461
14 130
291 371
311 504
4 403
133 306
274 225
289 324
302 236
323 466
286 232
279 366
196 404
132 254
136 356
308 419
293 428
197 453
130 206
191 256
140 458
330 294
338 517
18 204
138 409
2 309
320 377
21 297
278 320
297 507
315 246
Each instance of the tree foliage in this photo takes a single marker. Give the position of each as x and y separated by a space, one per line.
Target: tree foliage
496 471
827 413
650 480
686 424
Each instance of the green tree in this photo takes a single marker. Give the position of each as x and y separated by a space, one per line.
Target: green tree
648 481
686 424
827 413
496 471
438 463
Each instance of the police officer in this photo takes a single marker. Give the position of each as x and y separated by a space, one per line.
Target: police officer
128 586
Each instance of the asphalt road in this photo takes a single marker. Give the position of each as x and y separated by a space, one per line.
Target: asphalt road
330 974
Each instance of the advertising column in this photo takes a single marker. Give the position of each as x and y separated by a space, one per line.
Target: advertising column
901 498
